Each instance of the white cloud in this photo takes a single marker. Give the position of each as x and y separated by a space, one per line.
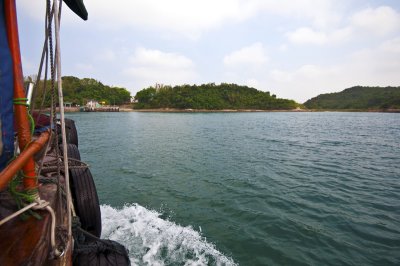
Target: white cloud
85 69
377 22
380 65
190 17
245 65
147 57
307 35
253 56
377 66
322 13
391 46
254 83
153 66
107 55
380 21
283 47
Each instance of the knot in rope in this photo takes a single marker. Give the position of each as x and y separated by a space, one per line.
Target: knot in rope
40 204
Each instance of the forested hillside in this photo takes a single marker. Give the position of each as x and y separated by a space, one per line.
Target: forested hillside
79 91
358 98
211 97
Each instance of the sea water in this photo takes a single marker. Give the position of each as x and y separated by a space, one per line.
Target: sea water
247 188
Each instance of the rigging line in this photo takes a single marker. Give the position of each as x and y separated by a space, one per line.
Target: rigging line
65 170
40 112
61 104
44 51
44 94
53 113
50 12
53 143
52 74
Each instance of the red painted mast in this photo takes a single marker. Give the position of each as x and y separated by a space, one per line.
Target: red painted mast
20 110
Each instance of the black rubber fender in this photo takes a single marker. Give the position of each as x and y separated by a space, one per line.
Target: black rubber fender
73 151
100 252
84 195
71 132
86 201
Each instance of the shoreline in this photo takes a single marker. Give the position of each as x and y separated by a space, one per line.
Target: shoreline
174 110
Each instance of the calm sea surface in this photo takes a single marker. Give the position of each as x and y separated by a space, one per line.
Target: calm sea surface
248 188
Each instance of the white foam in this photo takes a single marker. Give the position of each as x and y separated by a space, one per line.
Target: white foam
154 241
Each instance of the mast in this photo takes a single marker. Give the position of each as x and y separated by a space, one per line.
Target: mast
20 101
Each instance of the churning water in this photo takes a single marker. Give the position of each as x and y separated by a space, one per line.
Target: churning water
248 188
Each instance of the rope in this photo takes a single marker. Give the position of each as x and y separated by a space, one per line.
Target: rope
52 70
72 164
21 197
27 195
15 214
53 112
62 119
24 102
39 204
43 57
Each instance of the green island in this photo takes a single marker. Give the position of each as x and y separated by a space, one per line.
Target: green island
210 97
80 91
358 98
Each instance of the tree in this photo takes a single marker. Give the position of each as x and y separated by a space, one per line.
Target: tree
79 91
210 96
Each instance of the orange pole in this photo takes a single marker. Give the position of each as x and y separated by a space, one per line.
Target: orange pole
12 169
21 111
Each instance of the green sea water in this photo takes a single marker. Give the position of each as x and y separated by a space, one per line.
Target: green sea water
247 188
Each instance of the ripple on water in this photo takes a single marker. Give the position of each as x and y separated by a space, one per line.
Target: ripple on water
265 188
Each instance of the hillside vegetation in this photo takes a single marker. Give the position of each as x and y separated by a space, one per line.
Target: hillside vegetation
210 97
79 91
358 98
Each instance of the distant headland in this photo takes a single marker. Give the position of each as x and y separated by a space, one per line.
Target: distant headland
358 98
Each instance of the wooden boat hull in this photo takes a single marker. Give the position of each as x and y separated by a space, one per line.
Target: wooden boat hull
27 242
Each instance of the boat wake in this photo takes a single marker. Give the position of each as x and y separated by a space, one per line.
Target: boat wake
152 240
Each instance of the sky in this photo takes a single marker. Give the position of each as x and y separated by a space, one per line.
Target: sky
295 49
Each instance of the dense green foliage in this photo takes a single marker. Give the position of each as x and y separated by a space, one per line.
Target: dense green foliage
79 91
358 98
211 97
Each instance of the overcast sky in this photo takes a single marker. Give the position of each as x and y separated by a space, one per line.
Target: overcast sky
295 49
